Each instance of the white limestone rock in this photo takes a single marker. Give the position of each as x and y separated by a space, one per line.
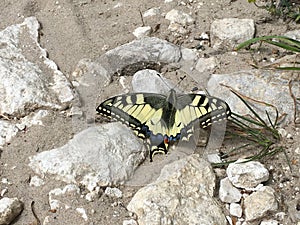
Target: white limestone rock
269 222
260 203
148 49
150 81
229 32
188 54
206 64
176 16
130 222
35 181
295 34
27 85
82 212
113 192
182 194
228 193
94 194
214 158
7 131
97 156
10 208
141 32
248 174
152 12
235 209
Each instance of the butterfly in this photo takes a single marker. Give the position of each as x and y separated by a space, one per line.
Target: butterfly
164 119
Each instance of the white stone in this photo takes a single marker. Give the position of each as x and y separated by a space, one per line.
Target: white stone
206 64
204 36
182 194
295 34
152 12
189 54
214 158
148 49
7 131
32 86
150 81
130 222
81 2
260 203
3 192
82 212
4 180
103 155
269 222
235 209
176 16
248 174
141 32
118 5
228 193
113 192
35 181
93 194
10 208
230 31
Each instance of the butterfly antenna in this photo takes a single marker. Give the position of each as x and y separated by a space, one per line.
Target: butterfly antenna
206 92
181 79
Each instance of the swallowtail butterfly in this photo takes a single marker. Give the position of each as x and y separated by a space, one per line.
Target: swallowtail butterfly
164 120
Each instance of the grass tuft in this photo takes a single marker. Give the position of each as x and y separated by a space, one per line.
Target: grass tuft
289 44
255 132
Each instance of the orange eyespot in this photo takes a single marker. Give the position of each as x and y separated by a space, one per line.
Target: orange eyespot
166 140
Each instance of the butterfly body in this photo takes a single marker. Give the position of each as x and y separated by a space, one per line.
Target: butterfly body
164 120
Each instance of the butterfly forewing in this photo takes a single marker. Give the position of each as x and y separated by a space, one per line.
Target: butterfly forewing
135 110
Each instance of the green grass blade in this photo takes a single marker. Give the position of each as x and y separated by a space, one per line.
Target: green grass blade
287 68
250 108
285 42
285 46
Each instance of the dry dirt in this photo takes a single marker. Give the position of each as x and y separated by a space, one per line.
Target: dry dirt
76 29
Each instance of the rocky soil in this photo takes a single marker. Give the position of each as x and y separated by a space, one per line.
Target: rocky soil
56 184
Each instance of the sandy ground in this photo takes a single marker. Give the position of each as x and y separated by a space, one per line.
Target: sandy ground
77 29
